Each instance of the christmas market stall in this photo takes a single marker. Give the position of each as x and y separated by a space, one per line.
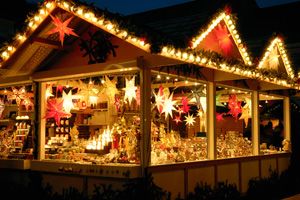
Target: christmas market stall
89 96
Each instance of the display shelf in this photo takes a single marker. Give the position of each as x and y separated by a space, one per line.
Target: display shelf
22 129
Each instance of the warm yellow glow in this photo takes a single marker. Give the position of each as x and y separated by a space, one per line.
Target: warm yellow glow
271 57
67 104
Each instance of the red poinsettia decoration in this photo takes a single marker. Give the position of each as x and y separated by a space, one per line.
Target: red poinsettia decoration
223 37
185 106
62 28
55 110
234 106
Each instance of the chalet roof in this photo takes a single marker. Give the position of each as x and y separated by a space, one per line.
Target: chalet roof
256 25
164 33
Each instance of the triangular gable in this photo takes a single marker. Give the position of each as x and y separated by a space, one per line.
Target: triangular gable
80 11
276 59
222 37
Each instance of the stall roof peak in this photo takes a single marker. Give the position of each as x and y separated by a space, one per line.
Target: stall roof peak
275 58
100 18
222 33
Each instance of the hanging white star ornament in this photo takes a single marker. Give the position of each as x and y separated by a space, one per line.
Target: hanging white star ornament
67 104
48 92
168 106
130 90
190 119
159 99
110 88
86 91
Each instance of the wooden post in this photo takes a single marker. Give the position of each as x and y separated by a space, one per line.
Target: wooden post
145 113
42 121
211 120
255 122
287 118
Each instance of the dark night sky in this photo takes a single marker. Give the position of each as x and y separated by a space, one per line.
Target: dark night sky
134 6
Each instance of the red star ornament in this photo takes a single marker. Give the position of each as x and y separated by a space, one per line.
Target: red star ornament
177 119
234 105
185 106
219 117
61 28
55 110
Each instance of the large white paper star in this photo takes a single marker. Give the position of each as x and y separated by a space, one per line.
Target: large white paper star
159 99
130 90
168 106
68 104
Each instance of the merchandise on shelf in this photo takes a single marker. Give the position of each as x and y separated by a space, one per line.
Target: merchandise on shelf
93 120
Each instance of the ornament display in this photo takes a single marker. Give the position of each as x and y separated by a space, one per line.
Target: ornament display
109 88
177 119
67 101
168 106
159 99
234 106
130 90
55 110
190 119
17 95
185 104
61 28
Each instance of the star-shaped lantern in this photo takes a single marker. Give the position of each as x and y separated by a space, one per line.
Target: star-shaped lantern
110 89
168 106
159 99
17 94
234 105
189 120
68 104
177 119
55 110
185 106
86 91
130 89
61 28
27 103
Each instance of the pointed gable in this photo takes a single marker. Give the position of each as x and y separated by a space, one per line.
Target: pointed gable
275 59
40 19
222 37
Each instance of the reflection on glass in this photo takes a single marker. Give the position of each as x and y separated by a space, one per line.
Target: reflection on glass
93 120
271 125
233 122
178 126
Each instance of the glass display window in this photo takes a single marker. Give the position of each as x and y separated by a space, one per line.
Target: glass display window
233 122
16 122
271 124
93 120
178 125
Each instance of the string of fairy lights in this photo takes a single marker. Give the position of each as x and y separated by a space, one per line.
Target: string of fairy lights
186 55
